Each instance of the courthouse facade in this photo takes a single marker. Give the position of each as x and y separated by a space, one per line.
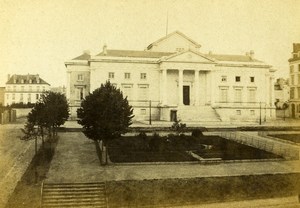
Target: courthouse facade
180 81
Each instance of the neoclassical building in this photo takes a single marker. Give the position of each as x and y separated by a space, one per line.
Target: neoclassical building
178 81
24 88
294 62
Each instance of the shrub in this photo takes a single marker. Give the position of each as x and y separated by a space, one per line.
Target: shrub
178 127
197 133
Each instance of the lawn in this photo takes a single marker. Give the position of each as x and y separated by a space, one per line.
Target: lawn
289 137
174 148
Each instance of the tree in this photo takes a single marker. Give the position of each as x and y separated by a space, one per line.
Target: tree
49 112
105 114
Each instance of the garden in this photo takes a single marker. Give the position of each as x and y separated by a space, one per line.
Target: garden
180 148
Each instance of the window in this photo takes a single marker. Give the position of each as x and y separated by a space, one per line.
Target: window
223 95
7 96
21 97
292 79
224 78
37 96
238 95
143 111
292 92
8 88
143 92
237 79
44 89
79 77
127 91
252 95
299 67
298 91
252 112
251 79
143 76
127 75
13 96
29 97
79 93
14 88
22 88
238 112
292 69
111 75
38 88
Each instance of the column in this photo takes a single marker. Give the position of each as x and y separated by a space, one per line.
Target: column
68 85
180 86
196 86
212 88
164 87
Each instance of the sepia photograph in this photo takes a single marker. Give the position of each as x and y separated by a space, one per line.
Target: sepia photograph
150 103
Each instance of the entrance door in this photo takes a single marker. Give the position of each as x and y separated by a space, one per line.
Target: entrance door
173 115
293 111
186 95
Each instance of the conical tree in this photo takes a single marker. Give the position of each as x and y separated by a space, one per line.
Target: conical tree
105 114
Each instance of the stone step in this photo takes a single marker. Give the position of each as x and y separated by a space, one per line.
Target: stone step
197 113
73 195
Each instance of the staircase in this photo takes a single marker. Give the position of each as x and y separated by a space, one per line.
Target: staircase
73 195
197 113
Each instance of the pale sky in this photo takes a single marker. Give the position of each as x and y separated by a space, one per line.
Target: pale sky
38 36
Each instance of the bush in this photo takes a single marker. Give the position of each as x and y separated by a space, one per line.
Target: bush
178 127
155 142
197 133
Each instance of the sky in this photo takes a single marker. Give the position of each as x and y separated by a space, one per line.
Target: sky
38 36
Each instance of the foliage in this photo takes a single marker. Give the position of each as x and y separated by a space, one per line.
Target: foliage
178 127
22 105
281 105
197 133
105 113
49 112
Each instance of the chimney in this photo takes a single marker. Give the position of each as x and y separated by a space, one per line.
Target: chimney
37 78
105 50
8 77
252 54
87 52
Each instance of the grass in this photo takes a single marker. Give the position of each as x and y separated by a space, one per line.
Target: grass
201 190
289 137
173 148
28 190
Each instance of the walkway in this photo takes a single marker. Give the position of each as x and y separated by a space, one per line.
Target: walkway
75 160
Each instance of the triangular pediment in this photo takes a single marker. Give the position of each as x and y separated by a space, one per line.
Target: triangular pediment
188 56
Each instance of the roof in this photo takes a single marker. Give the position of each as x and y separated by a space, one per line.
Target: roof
296 47
169 35
235 58
26 79
134 54
84 56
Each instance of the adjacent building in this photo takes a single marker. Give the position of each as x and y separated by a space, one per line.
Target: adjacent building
294 63
2 92
24 88
179 79
282 97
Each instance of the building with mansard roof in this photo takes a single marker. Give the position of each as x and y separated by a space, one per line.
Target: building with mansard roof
179 79
24 88
294 63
